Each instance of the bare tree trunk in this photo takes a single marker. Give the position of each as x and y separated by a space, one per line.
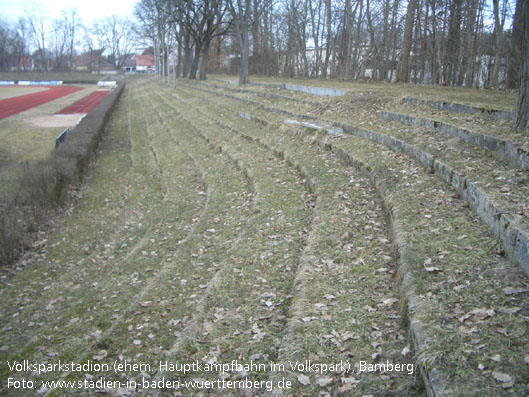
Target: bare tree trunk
477 47
243 75
345 69
156 58
167 58
188 50
372 52
194 65
466 72
394 17
357 40
315 36
416 41
204 61
329 37
516 45
498 33
424 44
303 40
256 49
404 68
179 64
188 54
522 123
452 50
385 44
244 44
435 62
241 16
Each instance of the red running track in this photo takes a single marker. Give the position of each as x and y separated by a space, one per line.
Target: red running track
86 104
11 106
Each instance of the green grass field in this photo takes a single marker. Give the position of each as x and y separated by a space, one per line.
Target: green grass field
13 91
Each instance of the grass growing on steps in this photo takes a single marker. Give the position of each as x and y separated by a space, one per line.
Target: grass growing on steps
342 305
77 281
471 278
204 236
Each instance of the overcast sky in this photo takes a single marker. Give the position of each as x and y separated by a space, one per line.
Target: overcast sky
87 9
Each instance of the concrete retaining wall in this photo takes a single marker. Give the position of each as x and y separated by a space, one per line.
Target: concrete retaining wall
511 152
435 382
460 108
264 94
514 239
315 90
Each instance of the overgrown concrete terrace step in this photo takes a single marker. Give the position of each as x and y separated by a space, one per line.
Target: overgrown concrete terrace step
449 129
318 91
119 334
433 378
504 186
504 224
508 150
263 94
197 260
243 322
514 238
337 277
71 259
462 108
422 247
303 323
269 94
71 339
152 298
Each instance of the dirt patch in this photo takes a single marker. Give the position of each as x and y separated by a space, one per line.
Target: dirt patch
56 120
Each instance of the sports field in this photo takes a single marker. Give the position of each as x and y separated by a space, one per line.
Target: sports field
86 104
13 91
20 103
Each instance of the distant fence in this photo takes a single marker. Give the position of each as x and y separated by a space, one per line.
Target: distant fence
40 82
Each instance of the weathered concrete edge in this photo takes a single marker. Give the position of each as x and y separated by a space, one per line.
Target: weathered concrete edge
270 85
507 150
433 379
236 82
320 91
461 108
514 240
263 94
240 166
